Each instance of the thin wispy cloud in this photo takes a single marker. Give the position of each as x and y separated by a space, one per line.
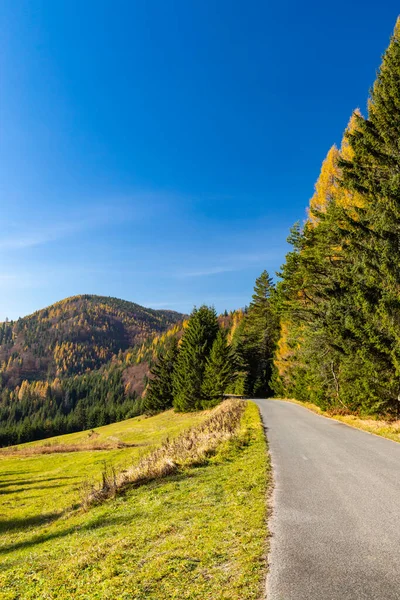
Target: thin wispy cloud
206 272
28 239
37 235
257 257
95 215
231 264
6 277
17 281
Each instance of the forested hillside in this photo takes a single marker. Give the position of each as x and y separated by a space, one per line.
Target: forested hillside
74 336
188 364
339 294
76 364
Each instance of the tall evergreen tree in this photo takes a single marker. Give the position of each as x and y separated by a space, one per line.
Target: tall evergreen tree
373 172
255 339
197 342
218 372
340 343
159 393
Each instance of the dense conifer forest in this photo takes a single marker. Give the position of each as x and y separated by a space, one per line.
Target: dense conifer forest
230 354
339 291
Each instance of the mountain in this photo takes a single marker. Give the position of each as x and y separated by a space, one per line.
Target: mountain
75 336
79 364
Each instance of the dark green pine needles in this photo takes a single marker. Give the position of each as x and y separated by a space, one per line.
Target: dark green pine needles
255 339
159 393
197 341
219 371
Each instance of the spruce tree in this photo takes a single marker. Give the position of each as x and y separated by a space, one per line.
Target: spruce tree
256 337
218 372
159 393
373 172
197 342
340 343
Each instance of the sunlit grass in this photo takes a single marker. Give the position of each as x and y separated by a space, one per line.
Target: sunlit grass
48 484
199 534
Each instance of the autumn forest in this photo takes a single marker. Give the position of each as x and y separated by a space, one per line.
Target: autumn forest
326 330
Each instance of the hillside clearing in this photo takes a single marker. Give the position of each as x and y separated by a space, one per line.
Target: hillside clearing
57 478
196 534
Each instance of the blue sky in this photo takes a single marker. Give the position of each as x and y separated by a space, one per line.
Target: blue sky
159 150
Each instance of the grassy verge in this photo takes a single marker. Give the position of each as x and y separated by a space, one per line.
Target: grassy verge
197 534
381 427
191 448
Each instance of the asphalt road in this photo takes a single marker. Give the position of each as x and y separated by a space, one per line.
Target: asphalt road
336 509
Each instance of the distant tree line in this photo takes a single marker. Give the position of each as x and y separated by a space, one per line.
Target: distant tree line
40 409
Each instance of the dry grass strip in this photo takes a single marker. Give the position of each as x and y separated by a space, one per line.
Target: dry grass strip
60 448
192 447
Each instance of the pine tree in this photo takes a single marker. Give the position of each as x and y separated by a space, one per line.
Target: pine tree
197 342
218 372
159 393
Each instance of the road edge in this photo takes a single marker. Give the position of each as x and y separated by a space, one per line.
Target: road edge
320 413
269 501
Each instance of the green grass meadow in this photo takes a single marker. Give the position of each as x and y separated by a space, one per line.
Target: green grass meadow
200 534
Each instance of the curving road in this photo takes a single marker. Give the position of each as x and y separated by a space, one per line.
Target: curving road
336 509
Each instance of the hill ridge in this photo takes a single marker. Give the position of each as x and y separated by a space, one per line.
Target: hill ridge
91 297
75 335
